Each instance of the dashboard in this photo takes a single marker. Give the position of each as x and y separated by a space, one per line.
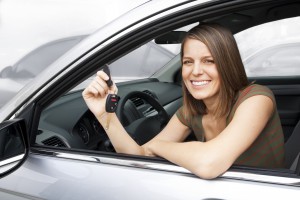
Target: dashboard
68 123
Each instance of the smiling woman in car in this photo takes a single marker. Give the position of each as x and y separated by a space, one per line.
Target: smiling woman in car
234 122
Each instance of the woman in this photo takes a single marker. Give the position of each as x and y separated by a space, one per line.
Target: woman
234 122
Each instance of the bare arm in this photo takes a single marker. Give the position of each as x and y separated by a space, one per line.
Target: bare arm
174 131
95 97
210 159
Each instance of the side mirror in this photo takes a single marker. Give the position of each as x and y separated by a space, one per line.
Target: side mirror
13 145
6 72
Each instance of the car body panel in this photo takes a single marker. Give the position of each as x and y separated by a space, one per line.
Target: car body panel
97 181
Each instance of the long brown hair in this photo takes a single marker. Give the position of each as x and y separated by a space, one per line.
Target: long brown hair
223 48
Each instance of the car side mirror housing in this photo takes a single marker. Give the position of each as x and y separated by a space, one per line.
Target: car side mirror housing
13 145
6 72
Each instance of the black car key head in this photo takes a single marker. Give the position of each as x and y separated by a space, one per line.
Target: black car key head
107 71
111 103
112 100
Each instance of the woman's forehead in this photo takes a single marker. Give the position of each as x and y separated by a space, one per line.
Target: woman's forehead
194 48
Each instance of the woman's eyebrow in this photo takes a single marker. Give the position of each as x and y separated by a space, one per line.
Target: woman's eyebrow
202 57
207 57
186 57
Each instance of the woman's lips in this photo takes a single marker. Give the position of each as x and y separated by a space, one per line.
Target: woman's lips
200 83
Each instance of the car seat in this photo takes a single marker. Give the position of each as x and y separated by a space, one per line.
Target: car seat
292 148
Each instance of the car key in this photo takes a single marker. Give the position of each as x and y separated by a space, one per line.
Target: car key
111 103
107 71
111 100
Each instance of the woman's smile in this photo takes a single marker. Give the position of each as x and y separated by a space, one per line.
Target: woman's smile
200 83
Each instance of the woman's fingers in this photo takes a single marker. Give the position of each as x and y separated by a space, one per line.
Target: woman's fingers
93 90
96 88
99 87
104 77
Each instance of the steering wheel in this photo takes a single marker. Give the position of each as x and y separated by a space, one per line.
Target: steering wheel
145 128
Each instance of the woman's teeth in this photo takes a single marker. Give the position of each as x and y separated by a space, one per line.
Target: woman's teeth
200 83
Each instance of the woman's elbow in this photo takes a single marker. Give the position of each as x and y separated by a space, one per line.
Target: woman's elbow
209 169
206 173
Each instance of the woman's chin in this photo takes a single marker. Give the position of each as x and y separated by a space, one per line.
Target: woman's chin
199 96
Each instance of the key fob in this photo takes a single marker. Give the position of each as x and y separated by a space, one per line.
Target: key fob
107 71
112 101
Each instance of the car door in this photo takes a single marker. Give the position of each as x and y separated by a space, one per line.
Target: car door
61 172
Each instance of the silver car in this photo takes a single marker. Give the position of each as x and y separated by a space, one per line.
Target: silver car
52 147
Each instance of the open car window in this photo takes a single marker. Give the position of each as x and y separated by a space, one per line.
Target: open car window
67 122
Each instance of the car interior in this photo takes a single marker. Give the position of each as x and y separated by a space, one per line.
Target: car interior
147 104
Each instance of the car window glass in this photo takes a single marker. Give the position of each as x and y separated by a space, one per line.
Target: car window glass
271 49
140 63
144 61
36 61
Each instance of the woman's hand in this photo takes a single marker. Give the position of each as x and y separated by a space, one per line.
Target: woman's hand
96 92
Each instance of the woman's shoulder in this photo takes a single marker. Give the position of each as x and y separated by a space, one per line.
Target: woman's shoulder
253 90
256 89
250 91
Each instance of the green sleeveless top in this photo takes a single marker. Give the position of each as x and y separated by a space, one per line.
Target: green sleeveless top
267 151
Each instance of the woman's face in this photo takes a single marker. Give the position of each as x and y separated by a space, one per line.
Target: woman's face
199 71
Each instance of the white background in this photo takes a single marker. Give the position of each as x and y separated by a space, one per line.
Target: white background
27 24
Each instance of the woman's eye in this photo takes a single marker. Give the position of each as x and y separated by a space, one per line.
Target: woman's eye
208 61
186 62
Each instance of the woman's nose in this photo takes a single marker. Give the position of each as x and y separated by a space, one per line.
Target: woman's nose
198 69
